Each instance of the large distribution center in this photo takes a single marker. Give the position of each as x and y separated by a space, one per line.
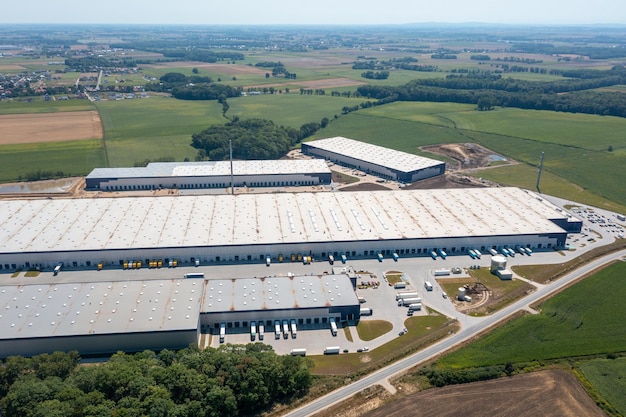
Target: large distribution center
104 317
282 226
211 174
376 160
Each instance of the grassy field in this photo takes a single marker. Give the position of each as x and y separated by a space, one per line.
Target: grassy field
291 110
154 128
371 329
72 158
422 330
585 319
587 174
608 377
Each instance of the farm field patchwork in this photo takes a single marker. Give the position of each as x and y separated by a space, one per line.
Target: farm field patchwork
545 393
585 319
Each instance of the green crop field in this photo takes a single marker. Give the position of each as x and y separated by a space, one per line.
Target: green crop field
588 174
608 377
154 128
585 319
38 105
291 110
73 158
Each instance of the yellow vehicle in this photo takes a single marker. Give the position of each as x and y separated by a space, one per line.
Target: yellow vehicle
280 257
159 263
133 264
174 263
138 264
299 257
125 264
293 257
100 266
152 264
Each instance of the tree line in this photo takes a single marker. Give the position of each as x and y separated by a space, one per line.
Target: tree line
225 382
194 87
507 92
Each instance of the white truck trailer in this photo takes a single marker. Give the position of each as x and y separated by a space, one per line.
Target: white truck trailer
332 350
277 329
222 332
415 307
406 294
365 311
333 326
403 302
261 331
253 330
294 328
285 329
298 352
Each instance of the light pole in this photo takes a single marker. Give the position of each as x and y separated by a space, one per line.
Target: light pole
232 183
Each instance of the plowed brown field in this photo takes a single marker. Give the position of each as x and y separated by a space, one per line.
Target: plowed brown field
49 127
545 393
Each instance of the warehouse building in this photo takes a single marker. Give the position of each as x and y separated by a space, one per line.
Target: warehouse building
210 174
309 300
110 232
98 318
375 160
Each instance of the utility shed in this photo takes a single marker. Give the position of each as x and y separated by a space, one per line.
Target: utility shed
99 317
373 159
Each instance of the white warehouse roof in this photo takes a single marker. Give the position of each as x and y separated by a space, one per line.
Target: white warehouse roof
273 293
215 168
44 225
99 308
374 154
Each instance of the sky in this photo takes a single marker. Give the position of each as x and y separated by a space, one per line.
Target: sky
336 12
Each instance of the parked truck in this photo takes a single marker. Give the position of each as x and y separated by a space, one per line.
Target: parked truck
285 329
277 329
261 331
415 307
333 326
294 328
361 299
380 257
365 311
395 256
253 330
404 302
406 294
399 285
331 259
428 286
344 259
298 352
57 268
332 350
222 332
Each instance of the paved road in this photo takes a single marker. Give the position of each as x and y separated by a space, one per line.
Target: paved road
463 335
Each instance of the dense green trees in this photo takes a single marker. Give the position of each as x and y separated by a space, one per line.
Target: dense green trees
229 381
509 92
195 87
252 139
